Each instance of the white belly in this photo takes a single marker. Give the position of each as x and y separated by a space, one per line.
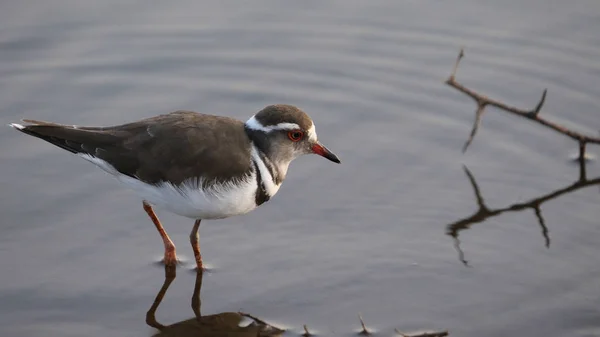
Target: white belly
217 202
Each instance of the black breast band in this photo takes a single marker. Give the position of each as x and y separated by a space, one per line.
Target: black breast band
261 193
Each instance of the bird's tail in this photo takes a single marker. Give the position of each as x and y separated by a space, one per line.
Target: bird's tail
70 138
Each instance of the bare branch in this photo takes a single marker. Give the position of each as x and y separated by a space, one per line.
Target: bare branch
461 54
482 101
538 107
476 123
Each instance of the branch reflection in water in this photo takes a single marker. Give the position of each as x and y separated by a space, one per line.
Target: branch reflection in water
222 324
483 212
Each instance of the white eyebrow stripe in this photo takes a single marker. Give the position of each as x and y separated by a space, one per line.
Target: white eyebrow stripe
254 124
285 126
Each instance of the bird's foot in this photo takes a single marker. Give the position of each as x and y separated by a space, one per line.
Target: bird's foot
201 268
199 265
170 258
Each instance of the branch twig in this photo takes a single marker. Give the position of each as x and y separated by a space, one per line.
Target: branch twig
482 101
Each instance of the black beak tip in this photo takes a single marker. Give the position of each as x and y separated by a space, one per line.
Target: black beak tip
331 156
324 152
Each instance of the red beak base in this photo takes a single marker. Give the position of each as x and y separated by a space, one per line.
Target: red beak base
324 152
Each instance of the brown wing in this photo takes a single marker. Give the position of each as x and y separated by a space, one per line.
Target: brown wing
171 147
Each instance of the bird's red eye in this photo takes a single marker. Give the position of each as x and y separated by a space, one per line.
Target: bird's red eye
295 135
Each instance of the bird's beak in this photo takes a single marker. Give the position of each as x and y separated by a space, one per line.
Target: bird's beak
321 150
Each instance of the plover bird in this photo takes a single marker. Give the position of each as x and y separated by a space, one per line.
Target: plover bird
196 165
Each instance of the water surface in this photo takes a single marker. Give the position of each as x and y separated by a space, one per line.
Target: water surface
368 236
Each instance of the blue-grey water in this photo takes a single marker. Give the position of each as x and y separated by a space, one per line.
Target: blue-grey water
78 253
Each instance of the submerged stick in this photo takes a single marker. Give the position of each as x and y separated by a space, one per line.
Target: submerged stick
424 334
364 331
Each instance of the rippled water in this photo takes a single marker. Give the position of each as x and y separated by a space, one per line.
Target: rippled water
369 236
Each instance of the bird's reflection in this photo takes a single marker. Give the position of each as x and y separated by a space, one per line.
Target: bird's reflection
222 324
483 212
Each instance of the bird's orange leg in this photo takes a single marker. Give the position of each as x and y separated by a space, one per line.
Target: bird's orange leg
194 240
170 256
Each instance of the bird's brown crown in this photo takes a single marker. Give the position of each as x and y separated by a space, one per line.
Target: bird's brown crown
277 114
